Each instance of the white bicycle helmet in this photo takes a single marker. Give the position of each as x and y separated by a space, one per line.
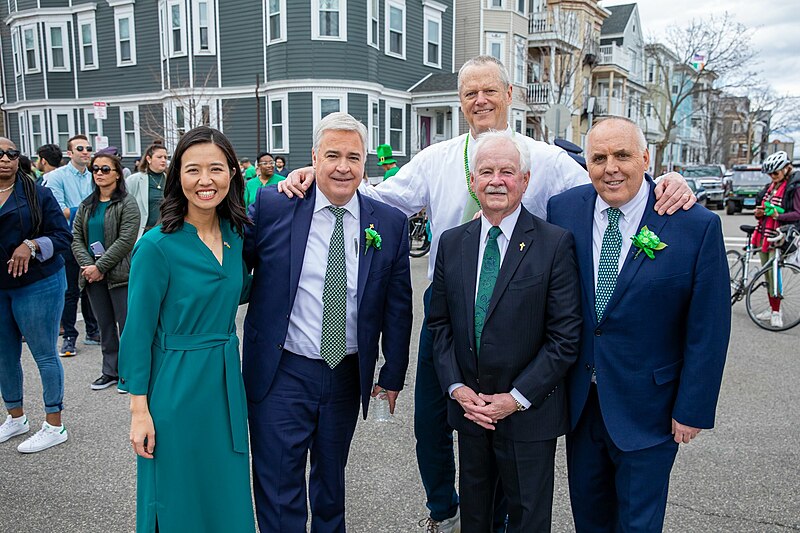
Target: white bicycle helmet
775 162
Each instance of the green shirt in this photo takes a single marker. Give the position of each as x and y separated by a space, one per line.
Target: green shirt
154 198
252 186
391 172
95 226
249 173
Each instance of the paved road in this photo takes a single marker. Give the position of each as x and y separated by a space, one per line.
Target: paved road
741 477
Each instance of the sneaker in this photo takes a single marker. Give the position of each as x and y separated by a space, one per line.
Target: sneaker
13 427
121 391
68 347
776 320
47 437
763 316
93 340
103 382
451 525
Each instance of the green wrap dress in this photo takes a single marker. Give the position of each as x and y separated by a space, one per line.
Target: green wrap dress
179 347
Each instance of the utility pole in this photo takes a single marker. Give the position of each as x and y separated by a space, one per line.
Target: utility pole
258 116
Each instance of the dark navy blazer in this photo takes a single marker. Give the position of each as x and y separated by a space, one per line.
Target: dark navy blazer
274 246
660 348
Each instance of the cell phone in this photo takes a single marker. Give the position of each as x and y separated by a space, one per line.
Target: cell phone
97 249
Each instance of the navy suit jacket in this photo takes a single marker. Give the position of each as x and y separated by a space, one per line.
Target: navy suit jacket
274 246
660 348
532 329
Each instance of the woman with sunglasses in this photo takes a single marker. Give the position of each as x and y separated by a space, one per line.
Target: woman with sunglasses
147 185
33 237
104 232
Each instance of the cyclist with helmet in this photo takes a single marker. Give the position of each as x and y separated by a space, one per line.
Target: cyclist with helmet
778 204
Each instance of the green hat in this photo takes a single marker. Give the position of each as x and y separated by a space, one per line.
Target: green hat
385 155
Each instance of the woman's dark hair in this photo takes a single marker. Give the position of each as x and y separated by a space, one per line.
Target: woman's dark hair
119 193
175 205
144 166
29 187
25 166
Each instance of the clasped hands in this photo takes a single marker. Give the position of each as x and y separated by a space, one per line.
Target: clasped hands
91 273
484 409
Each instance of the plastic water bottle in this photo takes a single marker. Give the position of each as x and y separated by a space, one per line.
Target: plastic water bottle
380 408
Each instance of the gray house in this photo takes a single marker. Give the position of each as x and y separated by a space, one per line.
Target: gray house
262 71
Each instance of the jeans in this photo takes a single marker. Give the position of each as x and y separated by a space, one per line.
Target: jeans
111 306
32 311
73 293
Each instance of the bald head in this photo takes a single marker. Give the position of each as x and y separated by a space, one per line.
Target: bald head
8 142
620 124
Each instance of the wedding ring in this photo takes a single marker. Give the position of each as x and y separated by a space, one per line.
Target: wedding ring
10 261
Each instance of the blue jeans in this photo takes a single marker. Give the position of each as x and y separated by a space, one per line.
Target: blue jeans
33 311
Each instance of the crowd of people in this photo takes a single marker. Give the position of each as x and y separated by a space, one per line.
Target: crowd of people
541 278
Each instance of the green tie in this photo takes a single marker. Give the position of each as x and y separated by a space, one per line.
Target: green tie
490 266
609 262
333 344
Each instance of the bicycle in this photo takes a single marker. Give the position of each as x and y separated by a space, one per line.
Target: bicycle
418 235
777 278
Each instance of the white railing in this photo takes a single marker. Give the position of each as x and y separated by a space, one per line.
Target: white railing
611 106
611 54
555 25
538 23
538 93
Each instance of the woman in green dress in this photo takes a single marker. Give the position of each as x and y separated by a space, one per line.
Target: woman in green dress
179 354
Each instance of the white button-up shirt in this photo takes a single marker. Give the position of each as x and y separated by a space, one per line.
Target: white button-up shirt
305 322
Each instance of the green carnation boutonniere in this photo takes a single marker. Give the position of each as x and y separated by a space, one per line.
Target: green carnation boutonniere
648 242
372 238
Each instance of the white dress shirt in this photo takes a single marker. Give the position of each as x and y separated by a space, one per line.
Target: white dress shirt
436 179
632 214
507 226
305 322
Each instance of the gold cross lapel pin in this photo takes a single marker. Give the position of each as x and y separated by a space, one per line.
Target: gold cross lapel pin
521 246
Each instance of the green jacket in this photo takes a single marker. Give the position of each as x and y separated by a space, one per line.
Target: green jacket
120 231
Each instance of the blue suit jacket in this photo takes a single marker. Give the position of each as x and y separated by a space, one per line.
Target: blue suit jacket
275 245
660 348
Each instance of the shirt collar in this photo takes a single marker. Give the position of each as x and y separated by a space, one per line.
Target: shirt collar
633 204
321 202
507 225
77 172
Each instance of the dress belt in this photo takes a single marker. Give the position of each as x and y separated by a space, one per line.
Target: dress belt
237 406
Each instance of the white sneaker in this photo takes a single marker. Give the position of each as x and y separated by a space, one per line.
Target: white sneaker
451 525
776 320
47 437
763 316
13 427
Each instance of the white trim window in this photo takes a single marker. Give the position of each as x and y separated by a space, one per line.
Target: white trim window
276 21
63 127
94 127
87 37
125 32
57 37
327 103
30 46
15 46
496 46
36 129
129 128
204 30
373 23
374 121
495 4
520 59
518 121
432 37
176 20
181 121
278 124
396 127
329 20
521 7
395 30
23 135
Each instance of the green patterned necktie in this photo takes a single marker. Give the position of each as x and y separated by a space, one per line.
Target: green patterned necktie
490 267
333 344
609 262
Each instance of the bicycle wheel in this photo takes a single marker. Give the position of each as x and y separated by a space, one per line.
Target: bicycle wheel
757 298
417 236
736 269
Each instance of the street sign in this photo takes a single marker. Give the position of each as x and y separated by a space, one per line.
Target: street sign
100 142
100 111
557 118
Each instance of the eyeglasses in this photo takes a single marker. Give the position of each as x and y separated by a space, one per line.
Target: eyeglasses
266 163
105 169
82 148
12 154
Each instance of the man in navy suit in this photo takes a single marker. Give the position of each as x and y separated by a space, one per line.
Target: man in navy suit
655 334
506 319
331 279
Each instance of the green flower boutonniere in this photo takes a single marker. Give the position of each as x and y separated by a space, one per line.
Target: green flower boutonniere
648 242
372 238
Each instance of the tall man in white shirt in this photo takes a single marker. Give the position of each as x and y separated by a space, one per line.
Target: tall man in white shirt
437 179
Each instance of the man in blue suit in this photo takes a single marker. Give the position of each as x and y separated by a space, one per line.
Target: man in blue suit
656 315
331 279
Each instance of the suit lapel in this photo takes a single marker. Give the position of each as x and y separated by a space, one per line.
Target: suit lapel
522 235
301 224
470 245
584 247
631 266
367 218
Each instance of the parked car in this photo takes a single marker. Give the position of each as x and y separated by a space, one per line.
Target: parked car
710 177
699 191
742 188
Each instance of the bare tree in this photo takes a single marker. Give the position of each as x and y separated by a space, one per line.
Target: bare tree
724 46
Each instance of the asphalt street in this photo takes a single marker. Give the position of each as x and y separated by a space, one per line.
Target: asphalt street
742 476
